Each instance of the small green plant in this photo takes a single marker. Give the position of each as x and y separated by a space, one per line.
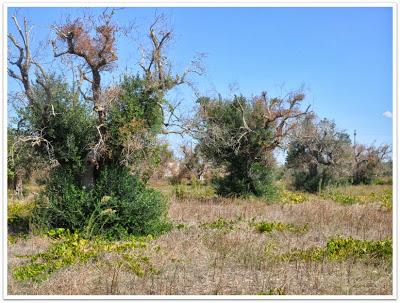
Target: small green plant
312 253
268 227
19 215
341 248
340 197
360 194
179 191
180 226
56 233
195 190
220 223
383 181
13 238
386 199
70 248
287 196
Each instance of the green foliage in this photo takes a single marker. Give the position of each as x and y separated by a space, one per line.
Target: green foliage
360 194
118 205
19 215
268 227
220 223
263 181
287 196
64 203
139 210
303 181
258 181
319 155
71 248
340 197
193 191
69 124
383 181
249 165
341 248
180 226
387 199
133 123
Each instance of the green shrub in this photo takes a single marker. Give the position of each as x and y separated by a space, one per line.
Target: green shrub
194 191
138 210
341 248
259 182
220 223
303 181
359 194
383 181
386 199
267 227
63 204
287 196
340 197
263 182
19 216
118 205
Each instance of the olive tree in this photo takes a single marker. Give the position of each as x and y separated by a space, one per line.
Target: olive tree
318 154
370 162
90 129
241 135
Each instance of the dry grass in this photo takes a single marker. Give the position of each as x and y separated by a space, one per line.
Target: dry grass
195 260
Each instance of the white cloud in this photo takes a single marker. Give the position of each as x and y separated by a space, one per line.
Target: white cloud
388 114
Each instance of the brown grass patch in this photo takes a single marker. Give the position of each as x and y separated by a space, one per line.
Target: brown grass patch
195 260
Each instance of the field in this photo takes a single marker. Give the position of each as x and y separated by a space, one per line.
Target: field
336 243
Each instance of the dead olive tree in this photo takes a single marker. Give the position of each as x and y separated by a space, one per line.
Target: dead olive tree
318 154
369 162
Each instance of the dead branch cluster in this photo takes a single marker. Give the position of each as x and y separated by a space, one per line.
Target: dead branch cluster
279 115
98 53
370 156
156 66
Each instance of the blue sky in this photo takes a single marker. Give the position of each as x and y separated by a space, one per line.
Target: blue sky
342 56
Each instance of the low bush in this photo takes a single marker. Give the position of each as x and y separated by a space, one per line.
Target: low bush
193 191
260 182
386 199
287 196
268 227
340 248
383 181
118 205
340 197
220 223
19 216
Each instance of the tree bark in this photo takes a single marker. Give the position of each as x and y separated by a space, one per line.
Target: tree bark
88 175
18 184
